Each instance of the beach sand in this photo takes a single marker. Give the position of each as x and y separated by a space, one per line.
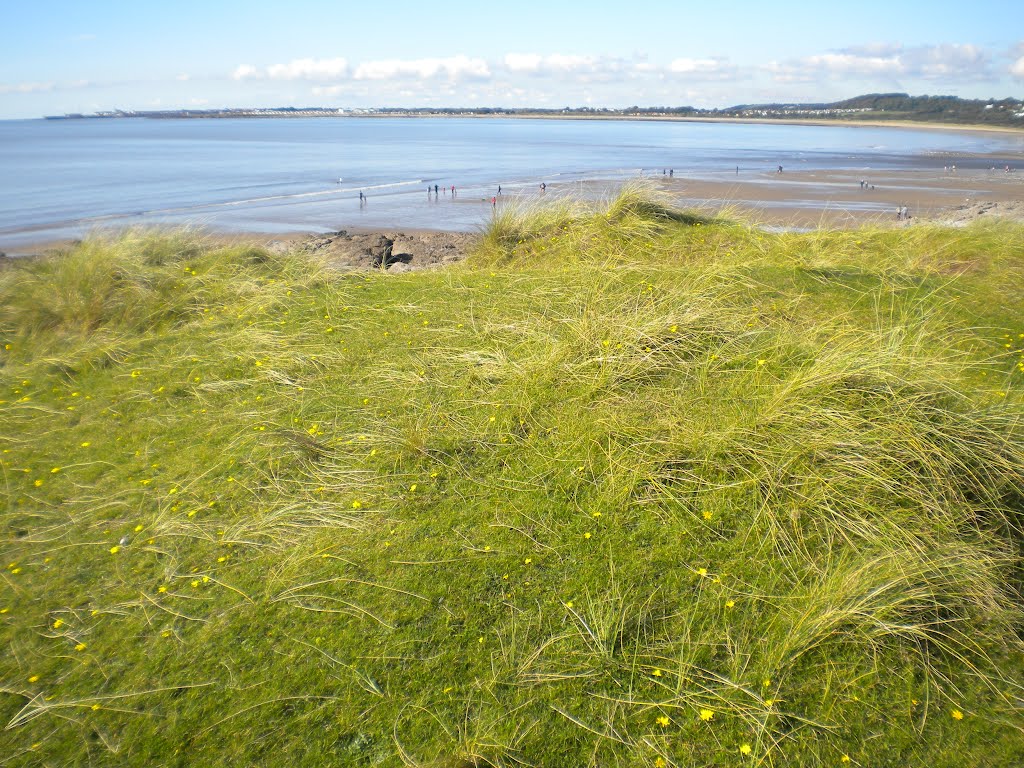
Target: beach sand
810 199
793 199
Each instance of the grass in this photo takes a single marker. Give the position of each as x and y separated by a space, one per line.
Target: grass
628 487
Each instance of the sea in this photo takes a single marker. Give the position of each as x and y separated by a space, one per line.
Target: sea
67 178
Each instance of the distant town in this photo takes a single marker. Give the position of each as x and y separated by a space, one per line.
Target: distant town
870 107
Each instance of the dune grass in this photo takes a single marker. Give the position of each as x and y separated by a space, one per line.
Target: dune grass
629 487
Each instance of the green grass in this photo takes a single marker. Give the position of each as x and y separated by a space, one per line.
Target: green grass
628 487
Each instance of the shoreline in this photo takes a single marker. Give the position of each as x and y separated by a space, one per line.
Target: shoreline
821 122
795 199
905 124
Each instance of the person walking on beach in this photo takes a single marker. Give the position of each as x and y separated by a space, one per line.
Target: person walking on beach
494 202
780 169
499 189
453 190
362 199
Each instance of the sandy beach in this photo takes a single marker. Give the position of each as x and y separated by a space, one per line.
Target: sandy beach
839 199
799 199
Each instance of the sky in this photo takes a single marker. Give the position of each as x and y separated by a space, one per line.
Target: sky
59 56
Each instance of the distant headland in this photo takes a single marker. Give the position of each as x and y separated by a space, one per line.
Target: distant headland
870 108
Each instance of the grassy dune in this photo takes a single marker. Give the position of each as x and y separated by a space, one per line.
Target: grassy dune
629 487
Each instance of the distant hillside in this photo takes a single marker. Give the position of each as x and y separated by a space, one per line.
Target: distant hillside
896 106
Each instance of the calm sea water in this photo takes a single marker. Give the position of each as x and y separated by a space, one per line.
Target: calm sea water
65 178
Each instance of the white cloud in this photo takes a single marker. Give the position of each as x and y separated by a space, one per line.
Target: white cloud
703 69
330 91
309 69
183 78
523 62
559 64
959 62
1017 68
453 67
245 72
947 62
27 87
297 69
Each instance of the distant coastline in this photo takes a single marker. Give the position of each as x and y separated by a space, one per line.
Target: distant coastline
900 110
518 115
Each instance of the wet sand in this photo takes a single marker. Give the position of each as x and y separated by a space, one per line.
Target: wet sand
802 199
838 199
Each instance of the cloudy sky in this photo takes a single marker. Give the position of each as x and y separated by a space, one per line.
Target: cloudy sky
61 56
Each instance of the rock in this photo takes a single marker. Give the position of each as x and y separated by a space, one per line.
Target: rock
425 250
398 268
379 251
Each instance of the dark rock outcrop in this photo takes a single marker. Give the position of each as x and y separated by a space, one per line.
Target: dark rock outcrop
388 250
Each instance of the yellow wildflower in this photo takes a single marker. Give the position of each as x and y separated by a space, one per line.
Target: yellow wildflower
745 749
162 589
115 549
34 679
357 504
58 623
656 672
957 714
80 647
663 721
730 603
706 715
95 707
587 535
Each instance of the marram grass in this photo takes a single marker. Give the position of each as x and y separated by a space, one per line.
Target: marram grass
629 487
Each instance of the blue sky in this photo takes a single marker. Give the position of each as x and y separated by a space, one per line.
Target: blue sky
107 54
